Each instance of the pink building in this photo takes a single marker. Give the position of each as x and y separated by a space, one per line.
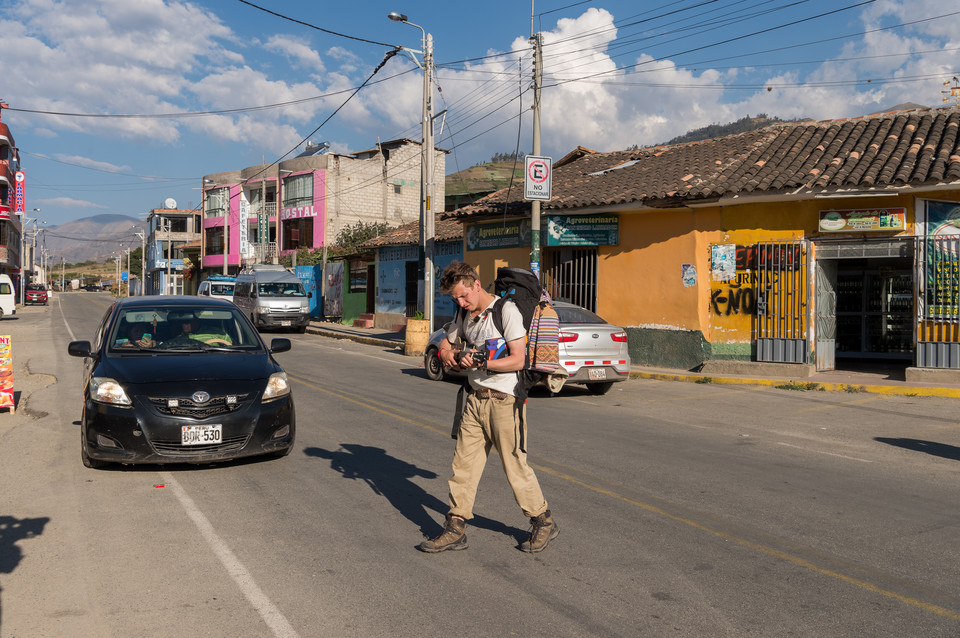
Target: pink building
261 212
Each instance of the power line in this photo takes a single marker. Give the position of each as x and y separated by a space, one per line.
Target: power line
312 26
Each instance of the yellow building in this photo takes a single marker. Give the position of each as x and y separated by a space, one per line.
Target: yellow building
814 243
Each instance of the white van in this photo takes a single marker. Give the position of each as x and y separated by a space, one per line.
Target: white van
272 297
8 298
218 287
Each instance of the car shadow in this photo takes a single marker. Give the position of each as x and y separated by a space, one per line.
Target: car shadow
389 477
12 531
932 448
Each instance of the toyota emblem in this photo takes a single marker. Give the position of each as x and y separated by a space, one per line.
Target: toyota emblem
201 397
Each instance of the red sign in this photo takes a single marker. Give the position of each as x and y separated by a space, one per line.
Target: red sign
6 373
4 212
20 194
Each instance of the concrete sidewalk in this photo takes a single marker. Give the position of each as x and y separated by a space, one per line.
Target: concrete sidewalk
876 379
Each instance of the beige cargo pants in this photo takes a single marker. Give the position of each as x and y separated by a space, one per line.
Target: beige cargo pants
492 423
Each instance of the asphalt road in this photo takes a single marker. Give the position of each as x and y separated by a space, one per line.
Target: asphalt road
685 510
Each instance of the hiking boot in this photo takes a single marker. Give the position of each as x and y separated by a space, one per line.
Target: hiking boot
454 536
544 530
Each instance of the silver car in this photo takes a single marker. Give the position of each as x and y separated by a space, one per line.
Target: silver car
592 351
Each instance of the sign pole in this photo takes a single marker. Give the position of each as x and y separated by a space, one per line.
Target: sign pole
535 204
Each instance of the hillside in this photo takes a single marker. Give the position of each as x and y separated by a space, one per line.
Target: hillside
484 178
91 238
712 131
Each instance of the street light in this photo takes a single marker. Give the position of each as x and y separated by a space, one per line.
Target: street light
24 222
426 164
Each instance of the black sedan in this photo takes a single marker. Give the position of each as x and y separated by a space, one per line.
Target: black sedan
181 380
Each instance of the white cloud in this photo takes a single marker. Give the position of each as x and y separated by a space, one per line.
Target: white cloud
66 202
297 50
91 163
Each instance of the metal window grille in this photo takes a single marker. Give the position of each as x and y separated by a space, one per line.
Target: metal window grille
782 302
938 301
570 274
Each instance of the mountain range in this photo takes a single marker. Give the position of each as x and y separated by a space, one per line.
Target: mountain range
93 238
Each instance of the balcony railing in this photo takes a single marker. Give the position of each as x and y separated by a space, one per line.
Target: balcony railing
263 253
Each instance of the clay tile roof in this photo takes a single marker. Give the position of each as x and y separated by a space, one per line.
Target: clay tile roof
911 147
409 234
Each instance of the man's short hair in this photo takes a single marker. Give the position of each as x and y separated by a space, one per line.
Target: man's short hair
457 272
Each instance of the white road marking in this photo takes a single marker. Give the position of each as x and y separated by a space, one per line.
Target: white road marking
241 576
842 456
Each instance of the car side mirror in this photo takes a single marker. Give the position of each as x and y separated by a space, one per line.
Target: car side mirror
309 295
79 349
279 344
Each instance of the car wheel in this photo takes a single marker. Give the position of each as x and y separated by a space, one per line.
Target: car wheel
433 365
302 329
95 464
599 388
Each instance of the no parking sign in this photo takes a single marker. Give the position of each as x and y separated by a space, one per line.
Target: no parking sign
538 179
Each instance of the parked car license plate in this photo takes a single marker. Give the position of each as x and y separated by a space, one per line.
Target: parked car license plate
285 323
201 434
597 373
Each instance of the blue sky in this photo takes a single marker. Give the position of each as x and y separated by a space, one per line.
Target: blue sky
256 85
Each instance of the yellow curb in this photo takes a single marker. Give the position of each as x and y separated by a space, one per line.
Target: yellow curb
912 391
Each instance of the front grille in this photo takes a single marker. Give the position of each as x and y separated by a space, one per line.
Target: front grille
189 408
176 448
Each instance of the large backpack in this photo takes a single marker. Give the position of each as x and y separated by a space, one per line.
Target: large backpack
540 321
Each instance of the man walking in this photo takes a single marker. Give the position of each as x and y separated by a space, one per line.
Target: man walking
492 417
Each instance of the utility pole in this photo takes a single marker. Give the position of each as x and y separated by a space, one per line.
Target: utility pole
535 204
428 217
426 165
168 226
143 263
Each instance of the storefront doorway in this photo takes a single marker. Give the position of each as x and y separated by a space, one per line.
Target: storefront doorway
865 297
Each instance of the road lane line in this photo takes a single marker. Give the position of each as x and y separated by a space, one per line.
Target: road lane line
842 456
765 549
272 616
770 551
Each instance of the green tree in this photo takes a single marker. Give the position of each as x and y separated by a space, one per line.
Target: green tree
350 237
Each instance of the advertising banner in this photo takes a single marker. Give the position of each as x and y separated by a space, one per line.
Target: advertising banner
333 290
583 230
20 194
496 235
6 373
938 223
863 219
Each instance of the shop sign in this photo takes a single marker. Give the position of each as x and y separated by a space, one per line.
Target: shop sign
497 235
298 212
4 212
20 194
863 219
6 373
583 230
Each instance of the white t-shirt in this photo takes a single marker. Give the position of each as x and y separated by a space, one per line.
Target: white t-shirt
481 332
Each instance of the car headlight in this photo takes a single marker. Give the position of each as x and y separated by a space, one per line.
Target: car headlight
277 386
106 390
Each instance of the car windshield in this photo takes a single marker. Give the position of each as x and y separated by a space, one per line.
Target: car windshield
573 314
280 289
181 328
36 287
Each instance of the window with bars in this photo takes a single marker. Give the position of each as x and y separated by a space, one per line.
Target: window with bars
570 274
218 199
298 190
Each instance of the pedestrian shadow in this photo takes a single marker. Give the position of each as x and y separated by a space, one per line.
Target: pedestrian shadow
389 477
942 450
12 531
